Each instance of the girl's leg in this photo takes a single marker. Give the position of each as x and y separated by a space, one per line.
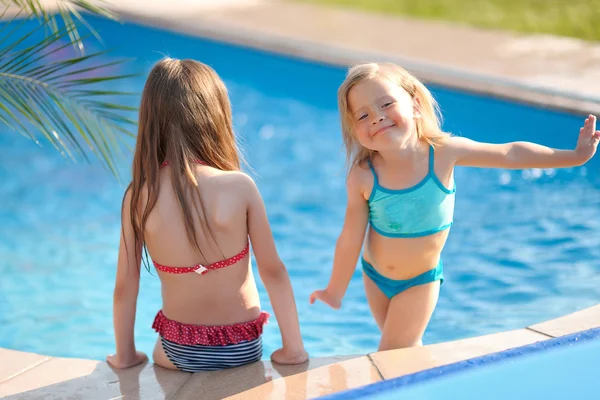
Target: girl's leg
407 317
159 356
378 301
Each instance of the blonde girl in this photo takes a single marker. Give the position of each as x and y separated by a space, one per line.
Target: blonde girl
401 192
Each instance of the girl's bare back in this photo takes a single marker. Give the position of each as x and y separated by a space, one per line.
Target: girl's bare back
221 297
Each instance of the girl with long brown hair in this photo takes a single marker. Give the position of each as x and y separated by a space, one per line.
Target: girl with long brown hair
196 214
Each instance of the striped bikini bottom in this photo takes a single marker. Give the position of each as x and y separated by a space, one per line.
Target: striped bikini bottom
194 348
195 358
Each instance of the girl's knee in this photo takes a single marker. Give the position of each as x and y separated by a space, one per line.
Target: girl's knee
399 343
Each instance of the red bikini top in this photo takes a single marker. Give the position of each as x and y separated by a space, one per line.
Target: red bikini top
202 269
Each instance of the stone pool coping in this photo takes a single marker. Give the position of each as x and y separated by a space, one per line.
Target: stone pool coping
556 72
33 376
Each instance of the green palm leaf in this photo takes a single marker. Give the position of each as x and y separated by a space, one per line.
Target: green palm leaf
67 9
66 100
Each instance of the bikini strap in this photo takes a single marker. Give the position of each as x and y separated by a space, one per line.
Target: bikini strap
431 160
166 162
372 170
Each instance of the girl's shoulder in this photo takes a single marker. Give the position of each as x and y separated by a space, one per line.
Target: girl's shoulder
360 177
231 177
451 148
233 181
360 171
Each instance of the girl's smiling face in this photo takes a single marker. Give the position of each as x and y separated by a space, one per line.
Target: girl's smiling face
382 111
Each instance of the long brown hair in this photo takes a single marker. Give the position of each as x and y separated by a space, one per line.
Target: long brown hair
185 116
428 127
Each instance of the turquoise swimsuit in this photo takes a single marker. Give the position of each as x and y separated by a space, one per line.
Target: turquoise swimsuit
422 210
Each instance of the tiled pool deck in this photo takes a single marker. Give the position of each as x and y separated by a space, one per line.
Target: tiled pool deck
33 376
555 72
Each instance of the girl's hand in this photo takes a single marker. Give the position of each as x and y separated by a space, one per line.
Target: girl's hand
286 356
327 298
119 362
588 139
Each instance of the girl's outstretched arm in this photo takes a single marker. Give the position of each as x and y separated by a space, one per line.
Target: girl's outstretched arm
521 155
349 244
275 278
125 295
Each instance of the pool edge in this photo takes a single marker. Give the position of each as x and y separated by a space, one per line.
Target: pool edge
460 366
323 377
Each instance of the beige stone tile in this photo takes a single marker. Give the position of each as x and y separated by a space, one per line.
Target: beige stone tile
394 363
266 380
554 71
578 321
85 379
14 362
177 8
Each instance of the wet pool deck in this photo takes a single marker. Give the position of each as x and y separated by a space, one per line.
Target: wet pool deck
33 376
547 71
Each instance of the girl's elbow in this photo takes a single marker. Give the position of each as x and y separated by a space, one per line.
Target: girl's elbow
125 292
509 156
273 270
348 242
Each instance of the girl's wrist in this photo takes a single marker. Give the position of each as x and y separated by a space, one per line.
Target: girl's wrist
295 349
126 355
578 157
336 293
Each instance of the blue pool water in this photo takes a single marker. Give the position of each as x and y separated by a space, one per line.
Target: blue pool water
524 247
560 368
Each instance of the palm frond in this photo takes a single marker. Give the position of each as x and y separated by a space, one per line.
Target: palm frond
67 9
69 100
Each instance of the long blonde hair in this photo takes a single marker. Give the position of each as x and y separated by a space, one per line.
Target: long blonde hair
185 116
428 126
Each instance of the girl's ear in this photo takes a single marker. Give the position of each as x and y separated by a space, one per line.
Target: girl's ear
417 107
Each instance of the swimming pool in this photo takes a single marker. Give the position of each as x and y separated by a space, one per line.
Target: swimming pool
522 249
559 368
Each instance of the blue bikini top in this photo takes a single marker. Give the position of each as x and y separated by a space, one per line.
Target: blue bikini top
421 210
